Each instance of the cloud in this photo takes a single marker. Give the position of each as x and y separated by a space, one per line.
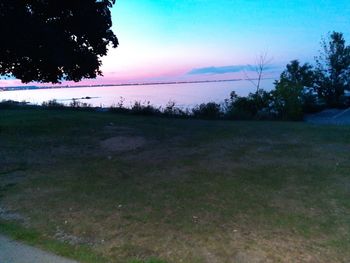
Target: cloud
229 69
218 70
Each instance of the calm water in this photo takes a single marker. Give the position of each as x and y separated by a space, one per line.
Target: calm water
184 95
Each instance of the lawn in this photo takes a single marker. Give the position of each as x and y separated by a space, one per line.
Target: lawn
124 188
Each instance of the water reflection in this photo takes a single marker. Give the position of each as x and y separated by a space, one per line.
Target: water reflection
184 95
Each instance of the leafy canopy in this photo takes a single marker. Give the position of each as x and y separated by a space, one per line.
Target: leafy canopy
290 90
54 40
333 69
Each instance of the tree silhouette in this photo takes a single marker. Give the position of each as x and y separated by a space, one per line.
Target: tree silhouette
54 40
333 69
261 65
291 89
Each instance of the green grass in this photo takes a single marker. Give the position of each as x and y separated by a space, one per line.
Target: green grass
196 191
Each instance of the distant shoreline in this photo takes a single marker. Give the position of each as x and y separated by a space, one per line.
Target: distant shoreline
16 88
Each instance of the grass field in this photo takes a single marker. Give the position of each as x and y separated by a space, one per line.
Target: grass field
103 187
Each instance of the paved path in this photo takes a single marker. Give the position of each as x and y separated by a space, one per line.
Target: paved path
330 116
16 252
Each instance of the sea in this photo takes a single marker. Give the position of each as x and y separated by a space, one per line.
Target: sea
184 95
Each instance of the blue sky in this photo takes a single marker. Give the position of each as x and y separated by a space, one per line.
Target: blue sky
167 39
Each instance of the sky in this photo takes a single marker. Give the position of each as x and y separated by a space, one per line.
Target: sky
179 40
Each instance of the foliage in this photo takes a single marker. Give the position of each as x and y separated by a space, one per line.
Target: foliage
333 69
254 106
53 104
144 109
9 104
311 102
210 110
54 40
78 104
172 111
119 107
288 96
288 100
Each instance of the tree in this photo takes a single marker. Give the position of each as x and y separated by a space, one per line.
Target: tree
261 64
54 40
260 99
289 91
333 69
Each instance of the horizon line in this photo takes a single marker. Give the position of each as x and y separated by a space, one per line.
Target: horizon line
13 88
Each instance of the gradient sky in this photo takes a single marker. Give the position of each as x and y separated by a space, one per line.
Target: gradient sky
166 39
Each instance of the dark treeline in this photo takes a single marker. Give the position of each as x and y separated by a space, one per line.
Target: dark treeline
301 89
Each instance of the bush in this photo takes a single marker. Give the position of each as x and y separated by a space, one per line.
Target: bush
52 104
10 104
288 100
78 104
311 102
172 111
210 110
119 107
254 106
144 109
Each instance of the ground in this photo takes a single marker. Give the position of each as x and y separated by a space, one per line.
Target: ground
116 188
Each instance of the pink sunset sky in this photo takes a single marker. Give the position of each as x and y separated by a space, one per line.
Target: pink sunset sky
178 40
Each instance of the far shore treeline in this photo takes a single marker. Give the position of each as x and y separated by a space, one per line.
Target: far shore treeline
301 89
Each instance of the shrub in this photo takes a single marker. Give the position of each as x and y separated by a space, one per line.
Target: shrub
254 106
144 109
119 107
78 104
9 104
171 110
210 110
288 100
52 104
311 102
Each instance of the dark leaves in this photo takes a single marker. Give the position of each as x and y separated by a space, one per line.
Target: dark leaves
54 40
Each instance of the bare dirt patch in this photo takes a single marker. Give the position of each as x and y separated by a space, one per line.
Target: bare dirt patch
123 143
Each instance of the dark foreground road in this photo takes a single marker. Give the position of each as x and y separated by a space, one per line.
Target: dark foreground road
331 116
15 252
